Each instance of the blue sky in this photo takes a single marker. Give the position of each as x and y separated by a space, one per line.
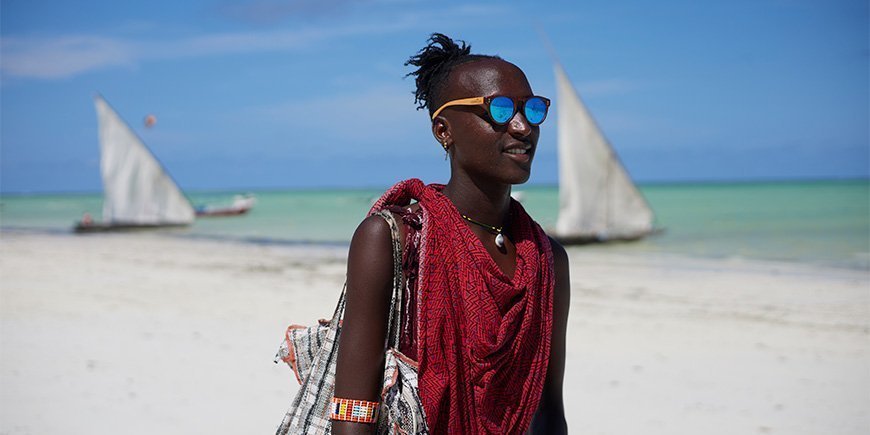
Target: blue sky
275 94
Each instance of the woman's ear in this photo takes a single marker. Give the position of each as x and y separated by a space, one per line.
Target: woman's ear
441 131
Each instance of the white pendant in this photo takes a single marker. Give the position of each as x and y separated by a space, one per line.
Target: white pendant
499 240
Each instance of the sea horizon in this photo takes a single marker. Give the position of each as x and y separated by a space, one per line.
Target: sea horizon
639 183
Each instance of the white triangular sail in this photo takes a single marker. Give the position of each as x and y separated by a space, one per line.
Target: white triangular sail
597 199
136 188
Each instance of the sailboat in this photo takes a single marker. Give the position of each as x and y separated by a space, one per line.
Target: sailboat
138 193
598 202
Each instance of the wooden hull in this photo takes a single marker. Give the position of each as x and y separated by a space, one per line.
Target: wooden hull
240 206
222 212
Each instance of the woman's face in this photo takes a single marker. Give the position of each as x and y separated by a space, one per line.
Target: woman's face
479 147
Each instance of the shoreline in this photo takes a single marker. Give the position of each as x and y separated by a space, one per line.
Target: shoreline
621 248
148 333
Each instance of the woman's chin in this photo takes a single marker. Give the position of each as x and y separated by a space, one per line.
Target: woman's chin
520 177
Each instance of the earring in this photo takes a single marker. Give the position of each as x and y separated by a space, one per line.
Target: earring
444 145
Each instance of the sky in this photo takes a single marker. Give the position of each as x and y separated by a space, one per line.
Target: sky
269 94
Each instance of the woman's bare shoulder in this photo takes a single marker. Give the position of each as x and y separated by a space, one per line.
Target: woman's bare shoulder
372 238
560 256
561 268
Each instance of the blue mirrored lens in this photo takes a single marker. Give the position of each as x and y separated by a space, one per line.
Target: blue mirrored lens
535 110
501 109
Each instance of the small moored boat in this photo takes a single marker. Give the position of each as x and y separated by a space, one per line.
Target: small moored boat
241 205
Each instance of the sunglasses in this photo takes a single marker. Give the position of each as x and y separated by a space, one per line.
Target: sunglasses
502 109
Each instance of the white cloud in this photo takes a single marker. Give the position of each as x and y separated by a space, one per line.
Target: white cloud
70 55
67 56
61 57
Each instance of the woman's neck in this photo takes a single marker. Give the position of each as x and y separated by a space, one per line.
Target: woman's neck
485 202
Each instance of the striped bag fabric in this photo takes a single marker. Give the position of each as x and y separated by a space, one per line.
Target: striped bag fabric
312 353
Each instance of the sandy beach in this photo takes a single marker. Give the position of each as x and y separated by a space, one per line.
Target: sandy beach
150 333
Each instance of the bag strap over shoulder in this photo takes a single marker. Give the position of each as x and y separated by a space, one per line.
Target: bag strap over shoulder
394 329
395 313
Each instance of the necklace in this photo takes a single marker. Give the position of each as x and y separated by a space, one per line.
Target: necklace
499 238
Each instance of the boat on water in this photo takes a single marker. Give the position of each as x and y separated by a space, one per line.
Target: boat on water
241 205
138 192
598 202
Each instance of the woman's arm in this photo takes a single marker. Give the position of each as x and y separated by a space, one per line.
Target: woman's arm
360 365
550 416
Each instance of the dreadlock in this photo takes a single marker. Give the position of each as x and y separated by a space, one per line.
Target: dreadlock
434 63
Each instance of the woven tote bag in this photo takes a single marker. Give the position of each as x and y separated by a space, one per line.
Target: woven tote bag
312 352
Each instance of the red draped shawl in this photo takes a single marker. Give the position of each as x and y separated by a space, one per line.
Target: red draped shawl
483 337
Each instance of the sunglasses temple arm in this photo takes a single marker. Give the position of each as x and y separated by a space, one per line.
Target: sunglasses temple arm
474 101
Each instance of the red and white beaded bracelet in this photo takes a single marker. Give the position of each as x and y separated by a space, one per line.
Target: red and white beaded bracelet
358 411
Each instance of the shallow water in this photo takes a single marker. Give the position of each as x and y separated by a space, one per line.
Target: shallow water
822 222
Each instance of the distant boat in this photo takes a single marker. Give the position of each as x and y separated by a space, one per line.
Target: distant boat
241 205
138 193
598 202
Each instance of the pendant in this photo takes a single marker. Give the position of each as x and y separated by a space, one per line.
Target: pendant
499 240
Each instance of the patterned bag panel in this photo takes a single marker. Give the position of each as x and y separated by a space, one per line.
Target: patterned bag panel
401 410
312 353
300 346
308 411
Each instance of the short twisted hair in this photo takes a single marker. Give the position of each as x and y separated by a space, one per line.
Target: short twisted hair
434 63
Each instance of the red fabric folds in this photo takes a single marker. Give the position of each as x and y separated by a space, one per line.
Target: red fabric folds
483 337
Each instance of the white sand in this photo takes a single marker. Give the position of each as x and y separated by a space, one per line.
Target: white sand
151 334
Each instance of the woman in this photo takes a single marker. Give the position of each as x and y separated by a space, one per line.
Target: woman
489 291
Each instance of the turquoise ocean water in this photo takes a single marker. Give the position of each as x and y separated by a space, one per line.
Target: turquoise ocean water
820 222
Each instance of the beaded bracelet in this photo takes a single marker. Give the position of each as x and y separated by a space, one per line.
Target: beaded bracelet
358 411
